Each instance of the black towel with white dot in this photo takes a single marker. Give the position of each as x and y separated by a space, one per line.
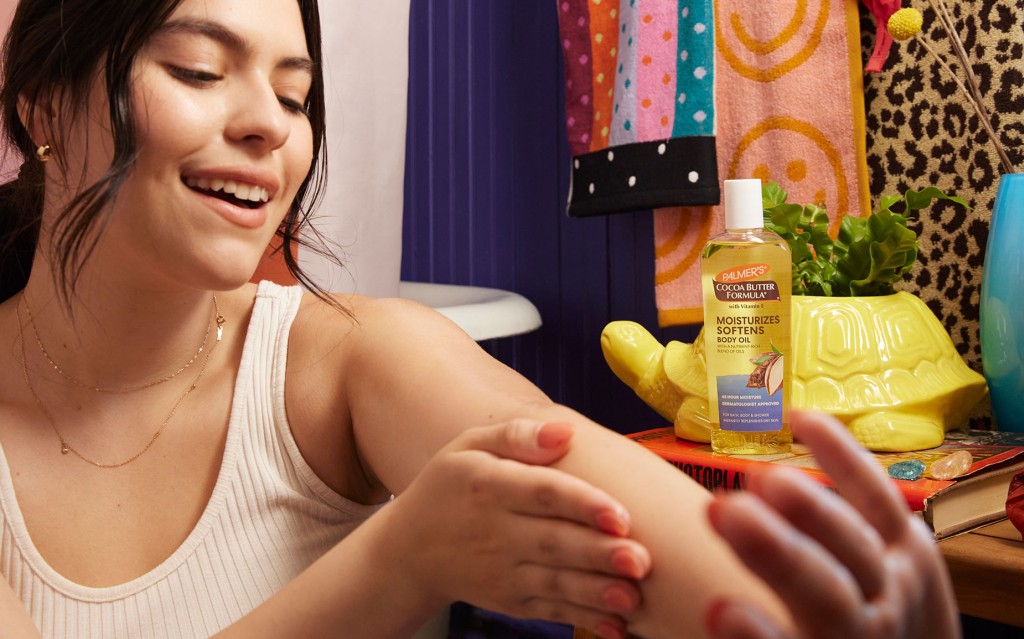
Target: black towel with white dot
645 175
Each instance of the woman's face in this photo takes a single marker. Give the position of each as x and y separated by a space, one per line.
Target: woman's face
223 143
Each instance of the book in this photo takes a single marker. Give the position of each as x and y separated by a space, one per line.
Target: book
948 506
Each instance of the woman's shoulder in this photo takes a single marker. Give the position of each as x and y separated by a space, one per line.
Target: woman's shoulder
345 320
374 337
329 336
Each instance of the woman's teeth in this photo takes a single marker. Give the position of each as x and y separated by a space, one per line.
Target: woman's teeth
240 190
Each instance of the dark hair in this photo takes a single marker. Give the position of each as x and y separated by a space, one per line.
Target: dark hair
51 56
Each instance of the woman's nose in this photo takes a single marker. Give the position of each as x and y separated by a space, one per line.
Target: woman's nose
258 118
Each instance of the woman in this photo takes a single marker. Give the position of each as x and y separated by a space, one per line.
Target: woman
186 454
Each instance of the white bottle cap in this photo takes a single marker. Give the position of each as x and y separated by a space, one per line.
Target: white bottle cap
743 207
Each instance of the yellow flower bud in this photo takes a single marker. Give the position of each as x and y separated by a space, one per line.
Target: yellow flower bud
905 23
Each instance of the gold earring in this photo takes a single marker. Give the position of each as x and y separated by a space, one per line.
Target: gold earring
43 153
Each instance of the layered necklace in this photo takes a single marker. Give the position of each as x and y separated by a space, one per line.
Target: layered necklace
65 447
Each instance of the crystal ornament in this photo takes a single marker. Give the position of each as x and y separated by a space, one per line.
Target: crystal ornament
910 470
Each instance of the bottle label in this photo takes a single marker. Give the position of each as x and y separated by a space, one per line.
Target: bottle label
746 403
746 333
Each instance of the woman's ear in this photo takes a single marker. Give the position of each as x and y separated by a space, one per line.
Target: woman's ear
37 116
28 116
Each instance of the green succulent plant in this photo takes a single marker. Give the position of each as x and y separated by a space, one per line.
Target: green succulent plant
869 255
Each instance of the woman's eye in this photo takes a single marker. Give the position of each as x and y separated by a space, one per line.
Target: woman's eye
293 106
192 76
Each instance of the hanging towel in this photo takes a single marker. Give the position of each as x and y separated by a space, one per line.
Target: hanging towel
640 109
789 106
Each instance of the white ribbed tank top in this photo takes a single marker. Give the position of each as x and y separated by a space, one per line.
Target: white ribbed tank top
269 517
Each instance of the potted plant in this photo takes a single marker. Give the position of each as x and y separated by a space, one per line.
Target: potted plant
877 359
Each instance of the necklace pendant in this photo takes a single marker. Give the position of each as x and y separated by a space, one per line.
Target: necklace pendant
64 448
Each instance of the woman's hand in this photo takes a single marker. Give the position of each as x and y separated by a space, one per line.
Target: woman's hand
488 523
864 567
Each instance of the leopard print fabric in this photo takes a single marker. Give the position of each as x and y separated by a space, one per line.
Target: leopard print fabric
921 131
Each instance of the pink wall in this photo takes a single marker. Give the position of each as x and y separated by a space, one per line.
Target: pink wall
8 166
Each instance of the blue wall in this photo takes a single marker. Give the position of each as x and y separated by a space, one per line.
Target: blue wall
486 184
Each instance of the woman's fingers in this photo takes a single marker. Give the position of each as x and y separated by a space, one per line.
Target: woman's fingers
856 475
539 491
576 587
568 545
828 519
553 494
524 440
516 525
860 567
821 592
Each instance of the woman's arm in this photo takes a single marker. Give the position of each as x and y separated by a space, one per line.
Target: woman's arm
422 381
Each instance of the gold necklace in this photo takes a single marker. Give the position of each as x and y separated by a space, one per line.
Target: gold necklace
127 389
65 447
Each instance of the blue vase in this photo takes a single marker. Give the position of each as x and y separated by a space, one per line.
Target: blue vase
1002 306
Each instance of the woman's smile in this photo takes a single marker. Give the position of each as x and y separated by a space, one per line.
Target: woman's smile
241 197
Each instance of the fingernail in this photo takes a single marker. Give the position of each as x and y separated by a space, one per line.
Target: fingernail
614 522
627 563
554 435
606 630
617 600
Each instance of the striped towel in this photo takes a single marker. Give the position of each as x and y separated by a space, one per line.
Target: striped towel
640 109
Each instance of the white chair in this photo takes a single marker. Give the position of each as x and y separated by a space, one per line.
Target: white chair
484 313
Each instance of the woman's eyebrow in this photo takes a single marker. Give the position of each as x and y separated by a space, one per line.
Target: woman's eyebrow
229 39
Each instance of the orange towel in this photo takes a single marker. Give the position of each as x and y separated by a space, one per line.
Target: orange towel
789 107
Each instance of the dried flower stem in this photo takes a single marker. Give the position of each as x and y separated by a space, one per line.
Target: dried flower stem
974 93
967 92
961 52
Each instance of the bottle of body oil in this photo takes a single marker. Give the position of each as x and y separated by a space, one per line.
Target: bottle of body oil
746 277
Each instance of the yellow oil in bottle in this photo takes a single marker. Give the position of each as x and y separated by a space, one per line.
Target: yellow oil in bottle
746 280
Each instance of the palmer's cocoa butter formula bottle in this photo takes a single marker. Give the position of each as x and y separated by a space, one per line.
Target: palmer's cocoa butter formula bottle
746 277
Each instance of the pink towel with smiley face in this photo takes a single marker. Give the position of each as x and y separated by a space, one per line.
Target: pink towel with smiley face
789 107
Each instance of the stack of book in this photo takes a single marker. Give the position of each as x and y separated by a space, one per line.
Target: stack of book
948 506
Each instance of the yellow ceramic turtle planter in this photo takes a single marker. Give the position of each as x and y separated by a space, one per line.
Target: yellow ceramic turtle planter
883 365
